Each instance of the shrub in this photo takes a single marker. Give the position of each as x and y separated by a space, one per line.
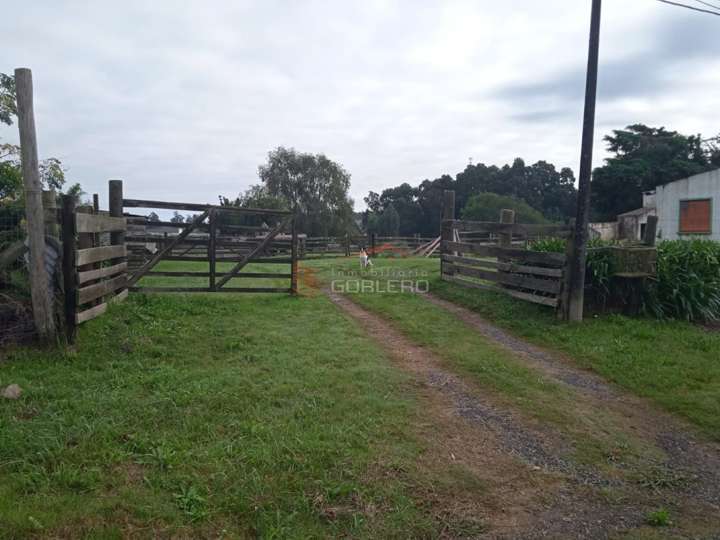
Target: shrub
688 281
487 207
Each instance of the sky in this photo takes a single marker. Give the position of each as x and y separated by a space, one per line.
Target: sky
183 100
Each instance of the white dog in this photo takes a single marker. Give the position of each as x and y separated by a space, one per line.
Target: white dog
364 259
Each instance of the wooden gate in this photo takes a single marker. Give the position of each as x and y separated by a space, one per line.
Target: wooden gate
207 239
491 255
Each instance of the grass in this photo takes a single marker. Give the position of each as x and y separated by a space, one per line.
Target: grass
673 363
210 415
596 438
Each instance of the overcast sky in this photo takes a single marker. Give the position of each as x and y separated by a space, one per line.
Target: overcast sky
183 100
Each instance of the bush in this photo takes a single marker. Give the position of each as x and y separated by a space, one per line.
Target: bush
487 207
599 264
688 281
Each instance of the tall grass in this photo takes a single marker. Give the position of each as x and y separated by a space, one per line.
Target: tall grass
688 281
687 285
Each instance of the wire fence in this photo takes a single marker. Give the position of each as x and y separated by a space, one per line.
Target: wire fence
16 321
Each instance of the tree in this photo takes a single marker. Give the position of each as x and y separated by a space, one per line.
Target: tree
314 186
177 217
389 222
8 107
256 196
487 207
152 216
644 158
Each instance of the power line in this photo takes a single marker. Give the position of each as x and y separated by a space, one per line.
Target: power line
678 4
708 4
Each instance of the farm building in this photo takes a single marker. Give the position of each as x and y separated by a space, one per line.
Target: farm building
684 208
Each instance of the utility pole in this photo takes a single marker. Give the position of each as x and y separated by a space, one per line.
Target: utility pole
579 255
42 307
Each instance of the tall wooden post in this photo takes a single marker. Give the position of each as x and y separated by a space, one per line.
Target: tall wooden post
212 248
69 273
446 228
579 255
507 217
115 189
49 200
42 304
294 258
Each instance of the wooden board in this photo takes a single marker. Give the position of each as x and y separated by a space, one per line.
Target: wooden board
542 300
219 274
556 260
520 229
505 267
98 254
98 310
107 271
515 280
207 289
91 292
140 203
98 223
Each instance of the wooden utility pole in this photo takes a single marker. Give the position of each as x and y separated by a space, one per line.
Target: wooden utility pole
42 304
579 255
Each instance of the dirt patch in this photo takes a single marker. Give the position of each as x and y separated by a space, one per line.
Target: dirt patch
522 479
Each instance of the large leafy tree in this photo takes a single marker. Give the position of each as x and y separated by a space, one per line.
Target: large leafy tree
644 158
314 186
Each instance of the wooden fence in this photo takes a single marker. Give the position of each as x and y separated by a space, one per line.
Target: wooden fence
495 263
94 275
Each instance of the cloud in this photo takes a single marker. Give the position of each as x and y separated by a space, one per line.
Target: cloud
183 101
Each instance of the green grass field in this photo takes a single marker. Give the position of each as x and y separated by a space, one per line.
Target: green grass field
209 415
212 415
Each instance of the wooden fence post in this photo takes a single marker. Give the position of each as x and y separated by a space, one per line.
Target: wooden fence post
42 304
69 277
115 189
294 258
373 237
506 217
212 249
446 226
49 199
564 296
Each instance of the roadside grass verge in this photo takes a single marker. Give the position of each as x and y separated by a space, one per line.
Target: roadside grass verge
210 415
673 363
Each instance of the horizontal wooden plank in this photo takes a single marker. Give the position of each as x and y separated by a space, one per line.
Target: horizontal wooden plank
193 207
555 260
91 292
521 229
107 271
97 254
98 310
535 299
98 223
516 280
279 260
219 274
207 290
506 267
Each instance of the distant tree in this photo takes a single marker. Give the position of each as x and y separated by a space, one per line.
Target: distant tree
177 217
314 186
76 192
389 222
256 196
152 216
487 207
644 158
8 108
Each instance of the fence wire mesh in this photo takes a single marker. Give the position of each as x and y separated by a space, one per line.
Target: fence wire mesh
16 321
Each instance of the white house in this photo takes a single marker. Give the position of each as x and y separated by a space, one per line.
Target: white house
685 208
689 207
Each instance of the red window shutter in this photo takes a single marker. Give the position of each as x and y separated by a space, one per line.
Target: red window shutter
695 216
